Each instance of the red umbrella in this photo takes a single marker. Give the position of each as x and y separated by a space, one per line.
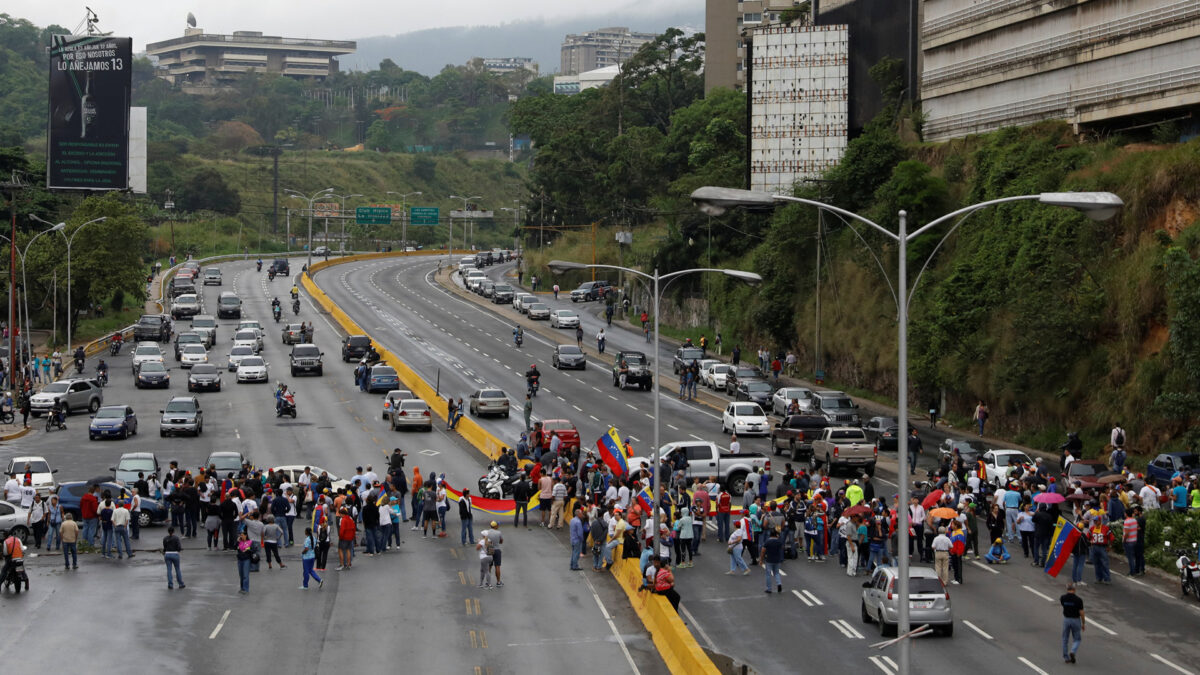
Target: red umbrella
857 510
932 498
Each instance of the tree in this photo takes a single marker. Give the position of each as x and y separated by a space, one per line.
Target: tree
206 190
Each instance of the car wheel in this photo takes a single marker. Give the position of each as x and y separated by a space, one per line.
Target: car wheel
505 414
124 434
828 465
886 629
870 469
320 372
813 464
774 447
20 532
199 429
724 430
162 434
948 630
737 483
91 437
866 618
143 519
584 366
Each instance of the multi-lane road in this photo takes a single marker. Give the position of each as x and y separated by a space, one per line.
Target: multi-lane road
419 605
1007 617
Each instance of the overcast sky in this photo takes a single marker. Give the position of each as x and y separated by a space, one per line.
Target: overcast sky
154 20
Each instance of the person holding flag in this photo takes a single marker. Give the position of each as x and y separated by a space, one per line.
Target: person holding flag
1066 535
612 452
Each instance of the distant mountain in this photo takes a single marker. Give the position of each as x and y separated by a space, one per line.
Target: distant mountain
428 51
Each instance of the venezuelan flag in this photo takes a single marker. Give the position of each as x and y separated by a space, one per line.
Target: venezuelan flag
646 499
1061 546
613 452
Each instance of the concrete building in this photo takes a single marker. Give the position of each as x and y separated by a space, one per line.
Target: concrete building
1111 63
201 60
600 48
725 23
508 64
798 103
573 84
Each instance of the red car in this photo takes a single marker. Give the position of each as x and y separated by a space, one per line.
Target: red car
566 431
1086 472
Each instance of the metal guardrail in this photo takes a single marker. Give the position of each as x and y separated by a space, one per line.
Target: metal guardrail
1124 28
972 13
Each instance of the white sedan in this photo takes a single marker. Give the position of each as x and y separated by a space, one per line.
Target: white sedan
745 418
250 323
14 520
191 355
564 318
237 353
252 369
145 352
716 374
999 464
784 396
250 336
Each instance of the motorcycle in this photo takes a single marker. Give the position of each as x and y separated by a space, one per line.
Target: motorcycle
16 575
1189 570
114 347
56 420
532 384
102 377
296 307
496 483
259 265
271 275
287 405
518 339
276 312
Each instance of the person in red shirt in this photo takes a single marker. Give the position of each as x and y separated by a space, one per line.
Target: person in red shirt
347 531
724 505
89 508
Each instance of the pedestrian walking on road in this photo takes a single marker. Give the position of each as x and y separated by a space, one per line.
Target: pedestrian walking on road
772 556
941 556
578 534
244 554
1073 623
172 547
69 532
308 559
271 535
496 540
486 549
579 337
735 548
465 517
981 416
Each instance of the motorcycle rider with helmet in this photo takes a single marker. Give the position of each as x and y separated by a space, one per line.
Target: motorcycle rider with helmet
531 378
58 415
281 390
102 372
518 336
259 263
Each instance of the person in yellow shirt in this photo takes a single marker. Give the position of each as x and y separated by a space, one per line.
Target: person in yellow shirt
854 493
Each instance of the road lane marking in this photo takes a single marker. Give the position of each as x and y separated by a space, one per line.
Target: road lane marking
649 415
613 627
814 599
631 406
1038 593
220 625
673 427
635 439
803 599
695 437
577 408
612 397
1092 622
846 629
977 629
1032 667
703 635
882 665
1172 665
594 418
986 568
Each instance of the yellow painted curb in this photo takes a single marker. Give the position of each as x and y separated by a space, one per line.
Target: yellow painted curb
14 436
468 428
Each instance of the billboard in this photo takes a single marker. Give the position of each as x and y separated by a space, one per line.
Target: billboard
798 103
88 146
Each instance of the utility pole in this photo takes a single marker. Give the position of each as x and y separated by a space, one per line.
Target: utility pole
275 192
13 186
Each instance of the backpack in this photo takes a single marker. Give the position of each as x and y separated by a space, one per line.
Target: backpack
1120 437
488 546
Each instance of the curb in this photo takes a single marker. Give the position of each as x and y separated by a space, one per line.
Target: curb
13 436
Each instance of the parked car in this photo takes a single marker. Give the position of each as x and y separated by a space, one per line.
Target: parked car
306 358
1087 473
714 376
41 475
739 373
212 276
182 415
877 425
843 446
591 290
69 494
638 372
522 301
1163 468
951 446
225 462
152 327
204 377
354 347
392 399
382 378
252 369
131 464
684 357
758 391
538 311
567 433
502 294
928 600
837 407
291 473
999 464
796 434
564 318
412 413
744 419
568 356
488 402
187 338
14 521
193 354
185 305
292 333
784 396
153 374
113 421
229 306
76 394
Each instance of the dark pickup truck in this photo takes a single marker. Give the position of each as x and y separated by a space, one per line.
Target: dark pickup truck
638 370
796 434
1160 470
152 328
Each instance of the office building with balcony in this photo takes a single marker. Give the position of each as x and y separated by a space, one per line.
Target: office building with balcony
202 60
600 48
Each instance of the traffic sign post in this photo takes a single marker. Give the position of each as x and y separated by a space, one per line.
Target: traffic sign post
373 215
424 215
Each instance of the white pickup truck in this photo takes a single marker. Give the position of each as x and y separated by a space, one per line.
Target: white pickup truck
844 446
705 459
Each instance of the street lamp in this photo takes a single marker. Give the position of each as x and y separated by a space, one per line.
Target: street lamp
316 195
716 200
466 224
70 240
558 266
25 285
404 215
342 216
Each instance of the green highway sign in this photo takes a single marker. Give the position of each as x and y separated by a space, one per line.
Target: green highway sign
423 215
373 215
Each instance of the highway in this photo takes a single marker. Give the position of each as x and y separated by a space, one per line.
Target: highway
1008 617
419 605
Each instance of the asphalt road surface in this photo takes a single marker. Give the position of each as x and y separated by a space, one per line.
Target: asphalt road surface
419 605
1008 619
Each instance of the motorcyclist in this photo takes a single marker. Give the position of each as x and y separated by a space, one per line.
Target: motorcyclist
281 390
518 336
102 371
115 344
57 414
271 274
259 264
296 307
13 550
79 359
531 377
1073 447
295 292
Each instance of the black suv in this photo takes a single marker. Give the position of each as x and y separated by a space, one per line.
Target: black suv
740 373
281 267
355 347
639 373
306 358
152 328
684 357
591 290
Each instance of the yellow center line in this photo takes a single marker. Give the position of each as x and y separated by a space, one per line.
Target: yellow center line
462 578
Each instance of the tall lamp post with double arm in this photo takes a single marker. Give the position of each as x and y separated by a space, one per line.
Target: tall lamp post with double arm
60 227
315 196
715 201
659 283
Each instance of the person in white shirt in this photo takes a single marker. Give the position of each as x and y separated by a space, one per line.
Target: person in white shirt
1117 437
371 476
27 494
1149 496
610 495
120 522
973 483
735 447
623 497
12 489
